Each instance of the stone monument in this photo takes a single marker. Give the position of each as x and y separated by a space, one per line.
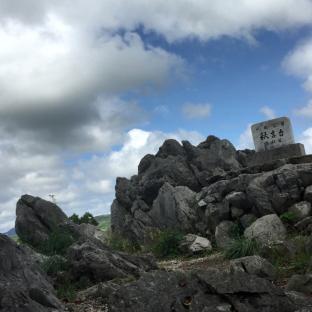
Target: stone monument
274 140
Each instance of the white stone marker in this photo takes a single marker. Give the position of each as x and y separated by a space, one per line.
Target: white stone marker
271 134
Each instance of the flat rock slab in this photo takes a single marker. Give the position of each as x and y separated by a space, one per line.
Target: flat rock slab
201 291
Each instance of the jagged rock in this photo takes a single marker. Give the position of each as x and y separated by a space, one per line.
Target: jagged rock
301 283
194 244
266 230
224 234
99 263
208 291
23 286
308 194
301 210
254 265
300 300
36 219
174 208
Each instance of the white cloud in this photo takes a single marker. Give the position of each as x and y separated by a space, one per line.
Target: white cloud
305 111
299 63
306 139
87 184
245 139
194 110
268 112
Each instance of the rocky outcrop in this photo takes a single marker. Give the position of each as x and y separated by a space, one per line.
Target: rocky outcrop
23 286
36 218
98 263
208 291
195 188
266 230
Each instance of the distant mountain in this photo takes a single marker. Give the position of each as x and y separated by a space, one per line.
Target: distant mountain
11 232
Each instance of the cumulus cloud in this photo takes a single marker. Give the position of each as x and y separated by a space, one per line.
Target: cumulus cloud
245 139
87 184
267 112
306 139
192 110
305 111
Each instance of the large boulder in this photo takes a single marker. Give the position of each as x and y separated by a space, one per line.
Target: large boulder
200 291
266 230
23 286
224 234
301 210
36 219
254 265
174 208
98 263
194 244
301 283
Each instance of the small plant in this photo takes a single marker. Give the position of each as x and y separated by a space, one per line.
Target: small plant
288 217
66 291
241 247
236 231
54 264
167 244
57 243
116 242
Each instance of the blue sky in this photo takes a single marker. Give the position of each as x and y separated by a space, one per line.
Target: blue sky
88 89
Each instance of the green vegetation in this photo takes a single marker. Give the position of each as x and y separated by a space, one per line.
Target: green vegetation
54 264
66 291
104 222
116 242
166 244
298 263
86 218
57 243
288 217
241 247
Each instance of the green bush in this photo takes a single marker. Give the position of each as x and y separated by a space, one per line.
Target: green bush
57 243
167 244
241 247
66 291
54 264
116 242
86 218
288 217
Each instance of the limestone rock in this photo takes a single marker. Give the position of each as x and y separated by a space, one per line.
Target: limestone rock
301 283
308 194
208 291
99 263
23 286
254 265
301 210
194 244
266 230
36 219
223 234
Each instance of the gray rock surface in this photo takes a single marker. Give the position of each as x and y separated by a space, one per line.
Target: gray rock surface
97 262
301 283
23 286
208 291
301 210
266 230
195 244
224 234
225 189
254 265
36 219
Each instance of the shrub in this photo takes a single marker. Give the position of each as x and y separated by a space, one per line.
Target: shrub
241 247
57 243
66 291
54 264
86 218
288 217
167 244
116 242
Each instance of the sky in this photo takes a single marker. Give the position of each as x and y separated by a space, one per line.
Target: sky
88 87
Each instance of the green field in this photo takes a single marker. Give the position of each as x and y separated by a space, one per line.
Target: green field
104 222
